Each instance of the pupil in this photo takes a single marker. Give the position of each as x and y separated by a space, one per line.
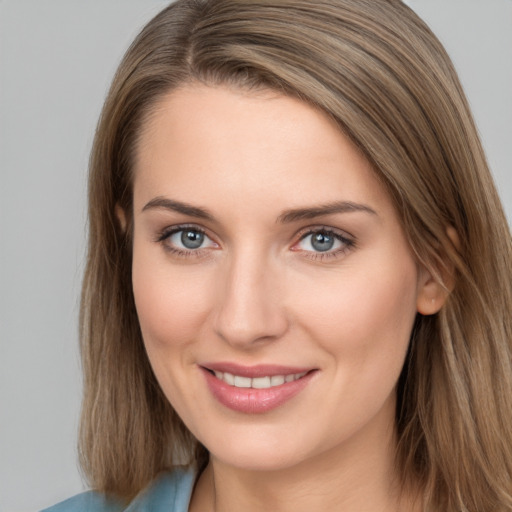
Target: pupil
192 239
322 242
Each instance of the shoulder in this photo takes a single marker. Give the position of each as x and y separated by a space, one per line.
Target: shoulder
169 492
85 502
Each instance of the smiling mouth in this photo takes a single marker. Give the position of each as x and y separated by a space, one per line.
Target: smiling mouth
264 382
255 389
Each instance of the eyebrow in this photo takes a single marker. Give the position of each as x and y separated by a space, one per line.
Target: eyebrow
286 217
178 206
326 209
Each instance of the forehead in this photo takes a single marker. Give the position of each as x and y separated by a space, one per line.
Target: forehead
203 140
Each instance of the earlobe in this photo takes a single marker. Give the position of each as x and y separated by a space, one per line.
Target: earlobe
434 290
431 295
121 217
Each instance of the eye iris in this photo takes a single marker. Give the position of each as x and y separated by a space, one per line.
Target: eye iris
322 242
192 239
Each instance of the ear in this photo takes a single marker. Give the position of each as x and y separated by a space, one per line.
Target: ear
121 217
431 294
435 287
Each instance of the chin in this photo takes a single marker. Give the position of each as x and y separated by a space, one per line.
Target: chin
258 458
261 449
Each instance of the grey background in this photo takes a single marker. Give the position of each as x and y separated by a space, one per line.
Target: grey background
56 60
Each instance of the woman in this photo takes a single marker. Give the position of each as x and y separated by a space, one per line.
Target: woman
298 287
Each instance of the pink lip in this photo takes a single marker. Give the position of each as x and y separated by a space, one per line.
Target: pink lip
260 370
249 400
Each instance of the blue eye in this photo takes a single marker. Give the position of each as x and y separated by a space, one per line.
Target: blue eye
190 239
323 241
186 240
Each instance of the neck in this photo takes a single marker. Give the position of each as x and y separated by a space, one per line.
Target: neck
353 477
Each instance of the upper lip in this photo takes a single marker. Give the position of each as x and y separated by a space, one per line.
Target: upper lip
259 370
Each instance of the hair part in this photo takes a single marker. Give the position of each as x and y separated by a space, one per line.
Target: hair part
376 69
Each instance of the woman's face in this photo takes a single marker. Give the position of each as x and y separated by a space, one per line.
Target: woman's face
275 288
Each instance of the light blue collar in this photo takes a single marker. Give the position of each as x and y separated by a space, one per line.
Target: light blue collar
169 492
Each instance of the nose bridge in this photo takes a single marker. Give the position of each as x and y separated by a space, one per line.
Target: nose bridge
249 309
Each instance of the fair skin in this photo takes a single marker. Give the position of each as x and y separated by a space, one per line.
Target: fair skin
263 237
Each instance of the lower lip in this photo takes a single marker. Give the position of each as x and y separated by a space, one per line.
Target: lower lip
254 401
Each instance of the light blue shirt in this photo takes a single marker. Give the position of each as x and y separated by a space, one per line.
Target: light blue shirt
170 492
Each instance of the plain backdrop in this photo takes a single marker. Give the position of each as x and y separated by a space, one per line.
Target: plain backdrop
57 58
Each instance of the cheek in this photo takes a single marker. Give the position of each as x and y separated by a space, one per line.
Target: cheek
171 302
363 324
364 317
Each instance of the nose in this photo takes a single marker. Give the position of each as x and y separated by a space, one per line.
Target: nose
249 309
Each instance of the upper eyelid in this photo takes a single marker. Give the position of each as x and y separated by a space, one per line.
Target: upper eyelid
170 230
164 235
298 236
348 241
302 233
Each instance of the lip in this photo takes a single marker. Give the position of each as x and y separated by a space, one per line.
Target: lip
260 370
250 400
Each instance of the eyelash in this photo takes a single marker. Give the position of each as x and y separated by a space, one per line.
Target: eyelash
165 235
348 244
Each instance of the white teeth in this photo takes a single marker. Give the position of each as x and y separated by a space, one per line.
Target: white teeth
261 382
257 382
276 380
229 379
242 382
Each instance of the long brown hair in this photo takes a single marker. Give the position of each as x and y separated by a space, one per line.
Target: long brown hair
380 73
